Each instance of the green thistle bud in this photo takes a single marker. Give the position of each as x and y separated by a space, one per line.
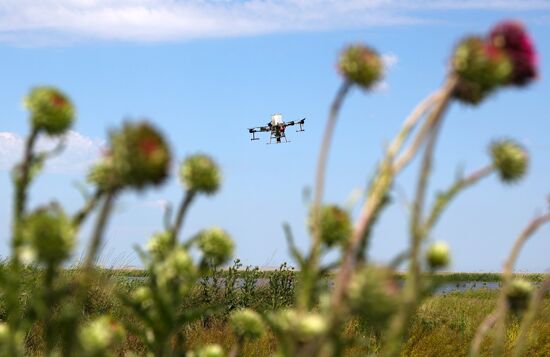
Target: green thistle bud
51 110
310 325
510 159
481 68
160 244
335 225
438 255
213 350
247 323
177 265
100 335
140 155
216 245
360 65
4 332
50 234
103 175
142 296
373 295
519 294
200 173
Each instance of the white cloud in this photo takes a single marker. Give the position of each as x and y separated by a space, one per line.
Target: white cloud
42 22
79 153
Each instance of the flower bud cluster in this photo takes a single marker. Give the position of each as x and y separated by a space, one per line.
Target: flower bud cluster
519 294
216 245
100 335
140 156
510 160
200 173
304 326
51 110
178 266
361 65
160 244
438 255
49 233
505 57
373 295
335 225
247 323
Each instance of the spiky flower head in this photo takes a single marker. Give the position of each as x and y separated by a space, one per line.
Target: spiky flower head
178 265
518 295
512 38
510 159
140 155
51 110
160 244
360 65
100 335
49 233
216 245
212 350
373 295
200 173
247 323
142 296
103 175
481 68
334 226
438 255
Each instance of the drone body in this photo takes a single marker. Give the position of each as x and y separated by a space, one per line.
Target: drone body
276 127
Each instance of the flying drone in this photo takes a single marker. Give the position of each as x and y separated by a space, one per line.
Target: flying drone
276 127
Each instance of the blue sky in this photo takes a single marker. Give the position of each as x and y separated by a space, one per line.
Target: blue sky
204 71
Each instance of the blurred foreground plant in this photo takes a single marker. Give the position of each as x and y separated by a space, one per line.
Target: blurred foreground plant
328 297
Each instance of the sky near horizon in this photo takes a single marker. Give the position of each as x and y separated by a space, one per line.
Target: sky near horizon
204 71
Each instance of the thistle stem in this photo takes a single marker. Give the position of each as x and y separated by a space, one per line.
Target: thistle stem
90 204
97 236
501 309
182 210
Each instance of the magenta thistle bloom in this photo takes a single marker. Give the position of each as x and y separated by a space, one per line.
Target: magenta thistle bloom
511 37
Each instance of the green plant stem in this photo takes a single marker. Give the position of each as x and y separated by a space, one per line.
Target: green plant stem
529 317
97 235
444 198
23 177
90 204
381 186
309 277
182 210
401 322
498 315
49 300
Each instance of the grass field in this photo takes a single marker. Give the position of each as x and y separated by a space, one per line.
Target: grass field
443 326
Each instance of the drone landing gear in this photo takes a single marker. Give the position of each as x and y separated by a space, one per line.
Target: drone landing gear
254 136
278 141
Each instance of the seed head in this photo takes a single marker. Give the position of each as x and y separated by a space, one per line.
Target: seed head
518 295
140 155
438 255
160 244
360 65
512 38
216 245
200 173
335 225
103 175
510 159
310 325
51 110
247 323
50 234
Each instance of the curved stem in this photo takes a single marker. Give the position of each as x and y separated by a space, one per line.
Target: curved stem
381 186
97 236
309 278
182 210
444 198
90 204
501 309
529 317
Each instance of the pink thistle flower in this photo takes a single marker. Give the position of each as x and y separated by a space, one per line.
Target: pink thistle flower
512 37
